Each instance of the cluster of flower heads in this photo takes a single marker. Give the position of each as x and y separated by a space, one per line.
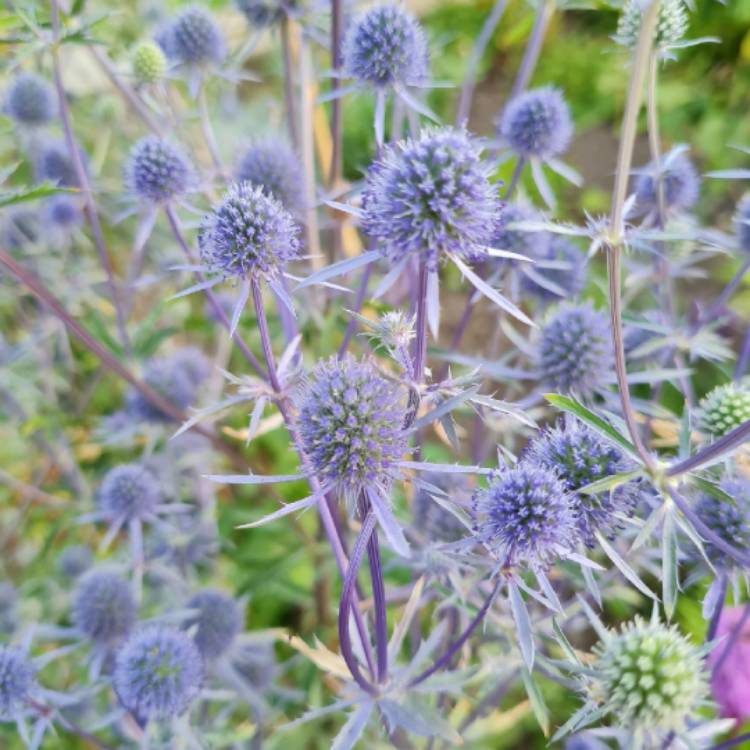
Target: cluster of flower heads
431 196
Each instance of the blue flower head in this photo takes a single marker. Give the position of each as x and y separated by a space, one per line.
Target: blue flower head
351 421
17 680
129 492
537 123
193 38
386 47
571 279
75 560
53 163
272 165
218 620
158 673
742 223
524 516
680 183
265 13
29 100
574 353
157 171
431 196
581 456
104 607
731 521
249 234
63 211
532 244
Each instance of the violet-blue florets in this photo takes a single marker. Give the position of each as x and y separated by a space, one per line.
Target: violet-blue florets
386 47
524 516
249 234
570 280
157 170
680 183
218 620
742 223
104 607
532 244
574 353
431 196
75 560
129 492
581 456
265 13
17 680
731 521
53 163
63 212
193 38
272 165
537 123
351 421
158 673
29 100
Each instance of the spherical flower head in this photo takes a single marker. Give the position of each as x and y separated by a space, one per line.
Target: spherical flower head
571 279
104 607
653 679
193 363
158 171
524 516
17 680
680 184
218 620
351 421
148 63
386 47
574 353
250 234
54 164
730 520
63 212
724 408
581 456
670 27
430 518
158 673
266 13
75 560
730 677
742 223
29 100
129 492
537 123
172 381
193 38
431 196
272 165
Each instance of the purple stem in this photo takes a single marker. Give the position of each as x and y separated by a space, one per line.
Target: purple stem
420 344
291 109
215 305
706 532
348 601
533 47
739 370
711 452
714 624
515 178
351 326
729 644
470 77
83 180
454 647
734 742
336 103
715 309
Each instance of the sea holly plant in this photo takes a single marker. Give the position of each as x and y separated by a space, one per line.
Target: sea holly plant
354 431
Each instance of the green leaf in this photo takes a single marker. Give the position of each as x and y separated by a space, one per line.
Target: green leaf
538 706
604 428
610 482
25 194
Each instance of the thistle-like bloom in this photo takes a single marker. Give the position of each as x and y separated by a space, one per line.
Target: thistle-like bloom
581 456
386 47
104 607
431 196
249 234
157 171
724 408
351 421
547 283
265 13
158 673
574 353
217 622
17 681
537 124
731 521
277 169
670 27
651 677
75 560
53 163
742 223
524 517
679 179
193 38
129 492
29 100
148 63
63 212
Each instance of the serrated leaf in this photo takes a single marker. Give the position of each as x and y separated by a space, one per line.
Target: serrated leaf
25 194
